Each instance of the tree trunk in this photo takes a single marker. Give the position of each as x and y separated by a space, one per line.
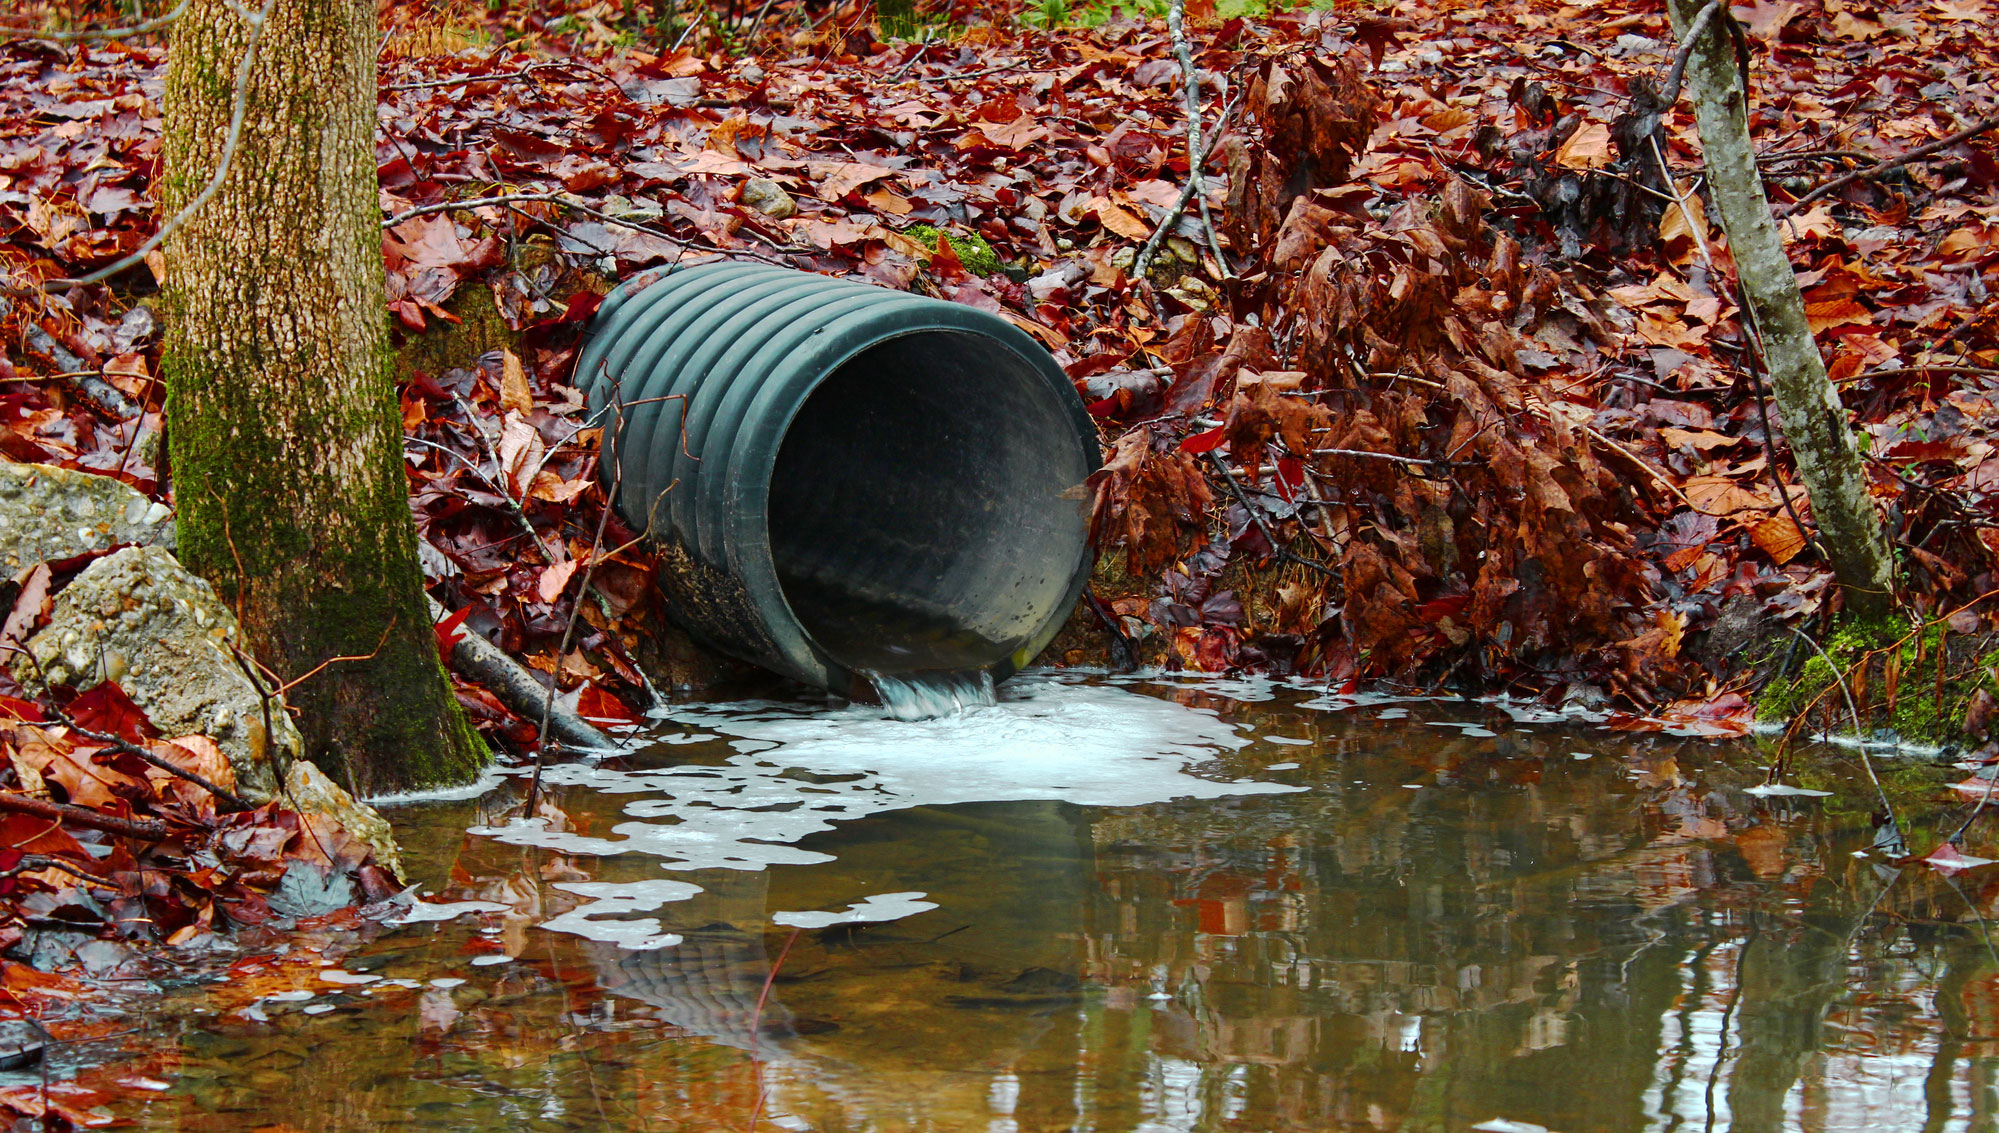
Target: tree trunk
281 416
1814 421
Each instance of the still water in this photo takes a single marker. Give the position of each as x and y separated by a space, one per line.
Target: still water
1131 905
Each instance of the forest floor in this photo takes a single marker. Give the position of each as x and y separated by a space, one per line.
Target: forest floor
1451 391
1442 387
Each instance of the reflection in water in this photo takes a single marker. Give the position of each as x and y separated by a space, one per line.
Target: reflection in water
1445 927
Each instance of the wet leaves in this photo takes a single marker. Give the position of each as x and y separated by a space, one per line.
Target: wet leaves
1457 239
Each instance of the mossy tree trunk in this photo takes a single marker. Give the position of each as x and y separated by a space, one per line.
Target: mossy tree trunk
1814 421
282 421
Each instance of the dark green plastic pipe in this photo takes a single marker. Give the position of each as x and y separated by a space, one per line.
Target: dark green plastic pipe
839 477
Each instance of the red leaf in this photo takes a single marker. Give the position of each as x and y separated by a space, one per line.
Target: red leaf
106 708
581 306
21 710
600 707
1204 442
450 633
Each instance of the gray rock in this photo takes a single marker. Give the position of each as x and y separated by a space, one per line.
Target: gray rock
140 618
769 198
49 513
308 789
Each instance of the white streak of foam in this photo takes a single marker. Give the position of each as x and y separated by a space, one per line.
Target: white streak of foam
617 899
868 910
427 912
1047 740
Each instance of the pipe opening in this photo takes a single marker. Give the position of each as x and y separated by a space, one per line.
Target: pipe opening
925 508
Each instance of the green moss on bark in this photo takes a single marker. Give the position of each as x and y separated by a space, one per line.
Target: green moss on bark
282 419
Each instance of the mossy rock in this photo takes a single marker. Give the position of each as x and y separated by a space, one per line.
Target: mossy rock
1891 673
970 248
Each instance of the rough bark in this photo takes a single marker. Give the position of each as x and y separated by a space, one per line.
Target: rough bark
282 420
1808 406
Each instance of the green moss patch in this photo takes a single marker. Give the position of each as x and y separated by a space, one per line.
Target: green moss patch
1892 672
970 248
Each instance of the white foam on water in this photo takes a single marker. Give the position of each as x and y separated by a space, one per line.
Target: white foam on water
868 910
1769 790
430 912
1047 739
621 898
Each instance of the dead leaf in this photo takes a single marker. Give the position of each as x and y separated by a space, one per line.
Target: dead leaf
1587 148
1778 537
514 393
1718 495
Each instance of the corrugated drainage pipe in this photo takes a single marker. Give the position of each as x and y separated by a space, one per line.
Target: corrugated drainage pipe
842 478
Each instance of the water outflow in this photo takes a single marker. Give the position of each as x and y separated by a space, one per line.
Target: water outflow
933 694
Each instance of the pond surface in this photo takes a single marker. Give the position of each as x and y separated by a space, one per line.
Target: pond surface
1130 905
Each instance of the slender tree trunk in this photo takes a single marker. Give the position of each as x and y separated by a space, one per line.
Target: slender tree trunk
1814 420
282 419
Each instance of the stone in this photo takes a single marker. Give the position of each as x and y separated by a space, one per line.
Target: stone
309 790
142 619
769 198
48 514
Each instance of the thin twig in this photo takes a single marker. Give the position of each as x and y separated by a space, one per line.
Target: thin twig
1670 94
575 609
1187 191
1898 371
116 743
145 829
503 76
756 1022
1859 736
239 103
1413 461
152 25
1283 552
566 201
1892 164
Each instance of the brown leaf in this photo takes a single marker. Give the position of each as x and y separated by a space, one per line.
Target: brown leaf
1718 495
514 393
1778 537
1587 148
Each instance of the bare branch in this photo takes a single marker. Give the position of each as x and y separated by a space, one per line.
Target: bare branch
147 27
1187 192
1892 164
238 104
1671 93
1197 153
504 76
568 202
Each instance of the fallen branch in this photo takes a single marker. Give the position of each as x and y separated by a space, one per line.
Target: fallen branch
1187 191
503 76
145 829
566 201
1892 164
489 667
